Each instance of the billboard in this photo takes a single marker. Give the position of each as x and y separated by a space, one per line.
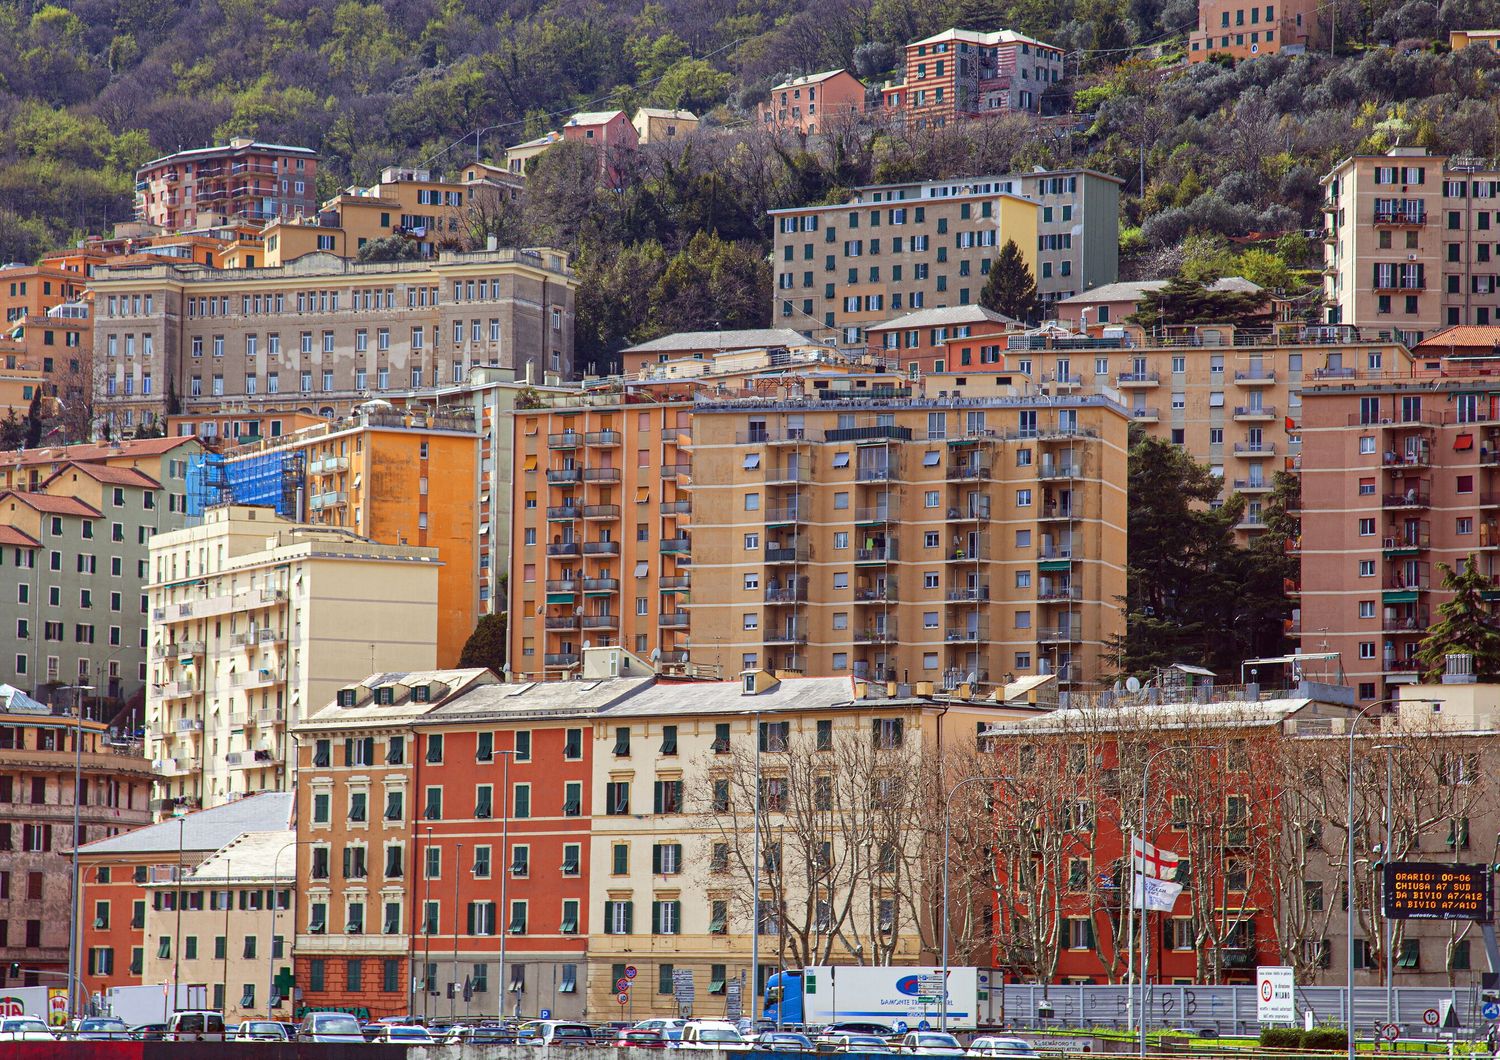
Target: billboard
1425 890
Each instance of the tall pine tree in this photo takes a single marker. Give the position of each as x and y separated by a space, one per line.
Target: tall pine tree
1011 288
1467 626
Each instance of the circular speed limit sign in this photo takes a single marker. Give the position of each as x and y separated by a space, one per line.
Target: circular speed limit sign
1430 1017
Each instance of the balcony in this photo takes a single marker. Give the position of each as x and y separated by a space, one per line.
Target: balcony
968 594
565 549
259 678
187 726
876 634
603 439
1052 594
787 514
977 510
1409 499
967 472
328 465
1049 470
675 544
789 634
1395 623
969 555
1408 542
677 471
877 554
1054 554
783 476
762 436
562 585
560 660
876 513
601 548
1252 485
564 476
332 499
565 440
1146 415
877 473
789 554
1254 450
179 690
672 620
601 585
601 621
178 650
677 507
606 475
1057 511
252 759
1059 635
678 436
175 767
562 512
1412 459
1254 413
673 658
1408 581
674 584
563 623
787 594
1401 218
1255 377
1137 380
966 634
875 594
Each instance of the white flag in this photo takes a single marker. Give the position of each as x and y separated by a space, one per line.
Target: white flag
1153 861
1158 896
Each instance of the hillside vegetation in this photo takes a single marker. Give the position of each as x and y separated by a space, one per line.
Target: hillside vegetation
91 89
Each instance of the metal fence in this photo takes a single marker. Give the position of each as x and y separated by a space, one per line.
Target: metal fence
1231 1009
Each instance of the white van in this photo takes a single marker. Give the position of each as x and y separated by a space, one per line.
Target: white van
195 1025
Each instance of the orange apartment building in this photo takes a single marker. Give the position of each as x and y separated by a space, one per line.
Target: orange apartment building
116 875
804 104
18 383
933 340
909 540
396 477
600 532
1398 475
242 181
711 346
961 74
1408 243
1243 30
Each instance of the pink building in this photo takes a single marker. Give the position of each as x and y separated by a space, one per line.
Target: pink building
213 186
610 131
805 104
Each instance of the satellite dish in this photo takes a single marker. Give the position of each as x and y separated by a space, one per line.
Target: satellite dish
1133 684
973 678
587 645
1119 688
655 654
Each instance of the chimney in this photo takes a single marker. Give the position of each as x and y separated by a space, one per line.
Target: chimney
1458 669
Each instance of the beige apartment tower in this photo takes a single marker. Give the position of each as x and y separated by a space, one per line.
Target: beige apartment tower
910 540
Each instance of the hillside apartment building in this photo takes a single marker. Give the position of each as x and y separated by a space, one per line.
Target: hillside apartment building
1243 30
898 248
322 334
961 74
244 180
803 104
255 620
47 336
1412 242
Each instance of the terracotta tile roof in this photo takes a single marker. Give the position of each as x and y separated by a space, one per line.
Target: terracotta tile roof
45 502
10 535
92 453
1467 336
113 476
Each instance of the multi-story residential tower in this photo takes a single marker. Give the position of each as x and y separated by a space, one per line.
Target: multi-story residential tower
38 747
960 74
896 248
323 334
600 533
255 620
1246 30
909 540
1408 242
243 181
1398 476
79 541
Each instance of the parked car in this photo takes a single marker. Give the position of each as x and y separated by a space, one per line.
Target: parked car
1001 1047
833 1030
713 1034
548 1033
195 1025
930 1043
670 1028
856 1043
404 1034
640 1039
261 1031
782 1042
25 1029
99 1029
149 1032
330 1027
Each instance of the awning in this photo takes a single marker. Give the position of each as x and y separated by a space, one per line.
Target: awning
559 598
1400 596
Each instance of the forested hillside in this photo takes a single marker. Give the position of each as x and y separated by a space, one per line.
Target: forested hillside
91 89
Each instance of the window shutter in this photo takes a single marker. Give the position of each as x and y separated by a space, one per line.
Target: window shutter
656 917
1088 934
369 756
472 916
348 854
676 916
676 857
609 919
656 800
629 918
349 751
656 860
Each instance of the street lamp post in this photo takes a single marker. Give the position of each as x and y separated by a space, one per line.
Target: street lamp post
947 837
271 942
505 854
1145 779
755 889
74 914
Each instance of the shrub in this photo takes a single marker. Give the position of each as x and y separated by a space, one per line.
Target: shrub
1325 1038
1280 1038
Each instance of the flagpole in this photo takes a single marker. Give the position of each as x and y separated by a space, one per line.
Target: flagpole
1130 936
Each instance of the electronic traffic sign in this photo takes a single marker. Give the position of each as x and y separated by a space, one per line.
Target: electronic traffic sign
1424 890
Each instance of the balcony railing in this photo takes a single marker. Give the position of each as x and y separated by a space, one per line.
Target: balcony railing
562 512
1254 449
677 507
791 513
1055 593
965 472
565 548
675 544
601 585
878 554
1050 471
1255 412
676 470
966 634
561 476
565 440
601 621
977 508
681 581
603 439
562 585
1127 380
785 475
601 548
788 554
601 474
1411 498
786 594
875 594
876 635
561 622
966 594
560 660
673 620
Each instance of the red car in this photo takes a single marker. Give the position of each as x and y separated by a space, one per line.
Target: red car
640 1039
